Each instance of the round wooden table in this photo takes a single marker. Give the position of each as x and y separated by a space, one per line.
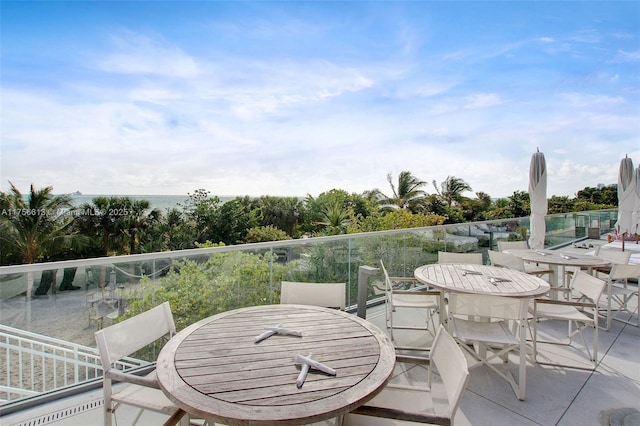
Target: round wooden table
477 279
552 257
559 260
215 370
491 281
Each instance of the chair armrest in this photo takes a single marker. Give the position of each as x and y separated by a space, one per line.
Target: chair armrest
565 302
418 292
410 359
401 279
132 378
392 413
560 289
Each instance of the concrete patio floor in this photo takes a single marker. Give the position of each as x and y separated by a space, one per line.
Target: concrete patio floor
554 395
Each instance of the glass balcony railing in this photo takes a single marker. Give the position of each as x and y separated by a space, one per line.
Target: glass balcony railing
70 300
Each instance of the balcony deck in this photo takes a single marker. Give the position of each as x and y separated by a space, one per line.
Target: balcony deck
555 395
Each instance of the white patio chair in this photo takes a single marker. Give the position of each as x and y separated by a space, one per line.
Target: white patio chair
435 404
511 261
398 296
92 309
616 257
108 295
490 327
468 258
580 311
619 295
121 340
511 245
327 295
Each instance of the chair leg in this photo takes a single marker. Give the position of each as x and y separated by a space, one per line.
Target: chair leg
622 303
595 344
107 415
135 421
591 353
179 417
522 370
608 312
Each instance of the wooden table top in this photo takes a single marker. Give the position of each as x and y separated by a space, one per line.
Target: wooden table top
214 370
552 257
454 277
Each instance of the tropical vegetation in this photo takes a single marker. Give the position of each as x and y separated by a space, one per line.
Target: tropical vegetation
40 226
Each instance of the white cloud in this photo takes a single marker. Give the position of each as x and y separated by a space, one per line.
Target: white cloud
268 110
483 100
590 36
585 100
624 56
138 54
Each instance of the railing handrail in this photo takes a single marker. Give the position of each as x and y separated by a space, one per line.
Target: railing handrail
109 260
40 338
42 356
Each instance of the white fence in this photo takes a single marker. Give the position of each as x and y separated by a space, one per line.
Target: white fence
32 364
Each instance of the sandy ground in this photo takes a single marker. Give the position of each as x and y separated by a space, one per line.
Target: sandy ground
63 315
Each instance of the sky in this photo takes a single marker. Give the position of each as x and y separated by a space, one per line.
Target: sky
297 98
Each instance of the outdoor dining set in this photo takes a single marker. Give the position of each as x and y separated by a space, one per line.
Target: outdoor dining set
307 360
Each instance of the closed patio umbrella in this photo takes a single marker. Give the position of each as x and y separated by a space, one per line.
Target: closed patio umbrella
626 197
635 217
538 197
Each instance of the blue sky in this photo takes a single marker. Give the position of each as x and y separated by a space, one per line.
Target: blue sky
297 98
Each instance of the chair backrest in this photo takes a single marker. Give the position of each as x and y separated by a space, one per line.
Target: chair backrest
487 306
449 257
452 366
506 260
624 271
613 255
587 285
124 338
388 285
507 245
328 295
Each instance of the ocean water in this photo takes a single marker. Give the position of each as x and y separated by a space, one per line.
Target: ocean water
162 202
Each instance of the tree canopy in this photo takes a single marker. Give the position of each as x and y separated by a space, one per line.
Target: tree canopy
120 225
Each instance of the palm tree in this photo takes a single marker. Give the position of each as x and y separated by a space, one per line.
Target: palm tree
335 218
281 212
407 195
36 226
39 228
136 222
452 189
104 219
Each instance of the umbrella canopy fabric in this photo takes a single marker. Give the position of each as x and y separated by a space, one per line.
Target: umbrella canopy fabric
626 196
538 198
